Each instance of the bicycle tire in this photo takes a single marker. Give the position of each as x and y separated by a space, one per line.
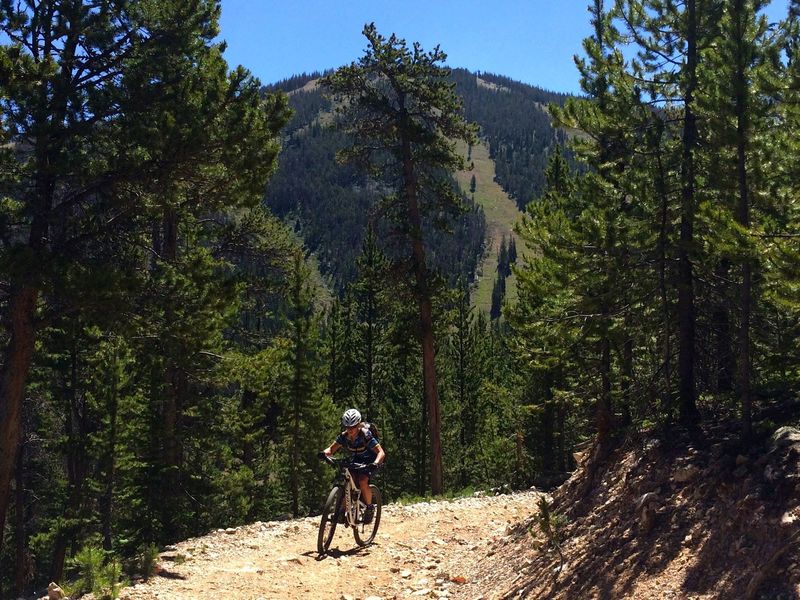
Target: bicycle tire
366 535
328 521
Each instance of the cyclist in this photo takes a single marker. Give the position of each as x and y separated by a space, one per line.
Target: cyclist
365 448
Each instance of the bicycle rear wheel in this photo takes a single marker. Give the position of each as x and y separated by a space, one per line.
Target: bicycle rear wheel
330 516
365 534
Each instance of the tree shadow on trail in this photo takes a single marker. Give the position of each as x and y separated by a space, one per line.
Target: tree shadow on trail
337 553
171 575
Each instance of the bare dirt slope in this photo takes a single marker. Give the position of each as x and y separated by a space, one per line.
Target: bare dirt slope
425 550
681 515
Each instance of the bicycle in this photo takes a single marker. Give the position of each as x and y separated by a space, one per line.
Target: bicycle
344 506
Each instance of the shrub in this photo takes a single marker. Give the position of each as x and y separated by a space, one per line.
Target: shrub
148 561
97 572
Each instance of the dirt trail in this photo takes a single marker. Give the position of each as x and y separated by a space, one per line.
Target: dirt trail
426 550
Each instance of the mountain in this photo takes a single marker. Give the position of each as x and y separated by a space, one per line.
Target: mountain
330 205
515 126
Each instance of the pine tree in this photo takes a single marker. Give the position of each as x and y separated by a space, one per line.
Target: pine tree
398 100
671 39
498 294
303 401
369 292
735 116
503 261
112 137
594 206
778 316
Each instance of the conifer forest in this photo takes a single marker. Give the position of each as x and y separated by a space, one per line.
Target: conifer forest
200 271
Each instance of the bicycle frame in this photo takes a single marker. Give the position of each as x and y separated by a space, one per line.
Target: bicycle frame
353 506
352 499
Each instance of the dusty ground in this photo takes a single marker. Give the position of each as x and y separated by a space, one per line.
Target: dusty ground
678 516
425 550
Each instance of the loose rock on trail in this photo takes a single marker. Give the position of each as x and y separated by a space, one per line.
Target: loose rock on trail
425 550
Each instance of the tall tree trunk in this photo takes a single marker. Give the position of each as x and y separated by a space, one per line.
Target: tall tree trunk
151 523
743 373
107 504
172 394
431 392
548 438
604 416
172 451
295 467
666 321
561 417
420 271
17 359
743 215
21 560
76 463
726 362
603 410
422 446
686 308
627 375
51 108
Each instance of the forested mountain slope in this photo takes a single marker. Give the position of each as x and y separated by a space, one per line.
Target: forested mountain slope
331 204
501 214
516 127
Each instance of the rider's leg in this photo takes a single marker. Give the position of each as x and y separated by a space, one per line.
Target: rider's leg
363 485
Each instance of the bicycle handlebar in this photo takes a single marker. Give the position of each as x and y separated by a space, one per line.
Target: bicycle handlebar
342 462
327 459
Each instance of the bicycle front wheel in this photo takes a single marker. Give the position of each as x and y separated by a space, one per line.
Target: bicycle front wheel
330 515
365 533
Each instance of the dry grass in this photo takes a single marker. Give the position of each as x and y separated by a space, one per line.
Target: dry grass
501 215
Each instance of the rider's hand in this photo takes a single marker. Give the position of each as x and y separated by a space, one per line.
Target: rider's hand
321 455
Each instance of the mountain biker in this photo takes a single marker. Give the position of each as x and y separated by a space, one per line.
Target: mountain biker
364 448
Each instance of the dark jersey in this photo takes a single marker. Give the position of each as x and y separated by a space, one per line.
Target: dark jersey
362 448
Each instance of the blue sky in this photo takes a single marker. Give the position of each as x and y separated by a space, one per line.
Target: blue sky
529 40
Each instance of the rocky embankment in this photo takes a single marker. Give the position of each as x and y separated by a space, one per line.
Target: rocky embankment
685 515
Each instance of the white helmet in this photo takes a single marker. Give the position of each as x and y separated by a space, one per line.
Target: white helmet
351 417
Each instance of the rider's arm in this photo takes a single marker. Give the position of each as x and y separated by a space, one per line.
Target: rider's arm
381 454
330 450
